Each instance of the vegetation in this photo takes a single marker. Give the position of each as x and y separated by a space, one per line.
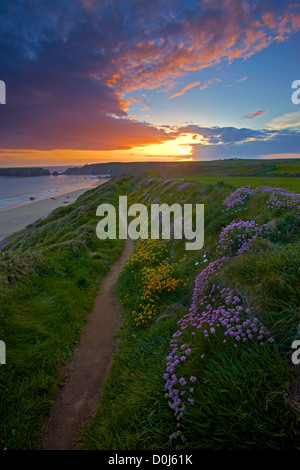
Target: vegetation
234 385
204 346
286 182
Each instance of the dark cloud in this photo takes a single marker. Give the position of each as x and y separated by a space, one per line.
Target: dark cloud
227 135
246 143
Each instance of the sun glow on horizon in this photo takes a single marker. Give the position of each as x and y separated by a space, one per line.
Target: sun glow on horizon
180 148
181 145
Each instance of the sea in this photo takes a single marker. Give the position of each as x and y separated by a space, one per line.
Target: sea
19 191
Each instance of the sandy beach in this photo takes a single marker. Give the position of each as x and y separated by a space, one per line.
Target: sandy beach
13 220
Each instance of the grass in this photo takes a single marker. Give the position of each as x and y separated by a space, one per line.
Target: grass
291 168
286 182
238 403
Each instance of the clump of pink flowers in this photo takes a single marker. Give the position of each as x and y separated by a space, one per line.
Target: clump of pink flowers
168 186
3 244
279 198
183 186
237 237
156 200
238 198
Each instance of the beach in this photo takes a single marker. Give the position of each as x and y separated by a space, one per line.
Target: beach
15 219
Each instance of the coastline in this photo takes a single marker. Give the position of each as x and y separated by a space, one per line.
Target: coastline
16 219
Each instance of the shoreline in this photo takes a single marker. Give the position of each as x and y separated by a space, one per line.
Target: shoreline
15 219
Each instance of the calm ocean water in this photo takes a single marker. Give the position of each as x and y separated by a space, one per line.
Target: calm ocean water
18 191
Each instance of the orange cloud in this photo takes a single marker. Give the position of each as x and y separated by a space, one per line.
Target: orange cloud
241 80
270 20
181 92
125 104
205 85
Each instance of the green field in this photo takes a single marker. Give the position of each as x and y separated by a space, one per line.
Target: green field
286 182
291 167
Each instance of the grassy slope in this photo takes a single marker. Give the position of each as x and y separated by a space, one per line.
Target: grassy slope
290 167
48 283
242 397
48 288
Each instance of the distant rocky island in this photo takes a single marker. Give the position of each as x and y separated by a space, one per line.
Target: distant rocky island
24 172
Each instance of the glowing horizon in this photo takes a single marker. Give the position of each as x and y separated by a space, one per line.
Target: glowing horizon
107 86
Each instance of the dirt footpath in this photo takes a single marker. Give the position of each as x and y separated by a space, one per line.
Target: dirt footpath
84 375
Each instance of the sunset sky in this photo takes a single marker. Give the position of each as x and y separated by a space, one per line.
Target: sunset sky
131 80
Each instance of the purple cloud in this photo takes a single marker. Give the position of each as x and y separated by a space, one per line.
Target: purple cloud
255 114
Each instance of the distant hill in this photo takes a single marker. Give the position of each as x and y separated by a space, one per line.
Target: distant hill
24 172
230 167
